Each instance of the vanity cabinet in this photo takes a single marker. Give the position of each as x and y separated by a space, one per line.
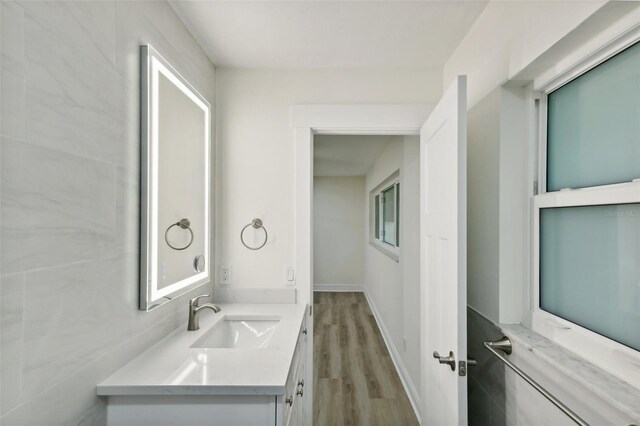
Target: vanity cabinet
178 405
291 405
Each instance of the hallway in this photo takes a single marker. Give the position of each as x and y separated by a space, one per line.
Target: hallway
354 377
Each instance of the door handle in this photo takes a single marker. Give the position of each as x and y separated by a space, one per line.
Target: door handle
450 360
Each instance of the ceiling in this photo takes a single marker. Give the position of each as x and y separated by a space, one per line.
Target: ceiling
346 155
328 34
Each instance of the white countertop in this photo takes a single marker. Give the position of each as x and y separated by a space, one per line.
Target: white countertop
171 367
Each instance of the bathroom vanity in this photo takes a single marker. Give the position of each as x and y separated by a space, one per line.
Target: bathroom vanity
244 366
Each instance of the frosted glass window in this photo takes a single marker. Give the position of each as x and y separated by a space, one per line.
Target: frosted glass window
593 126
590 268
389 215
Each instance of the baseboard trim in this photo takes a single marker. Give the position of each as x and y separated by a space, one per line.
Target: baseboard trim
339 287
412 392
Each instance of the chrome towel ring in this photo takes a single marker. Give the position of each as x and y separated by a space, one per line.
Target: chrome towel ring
184 224
256 224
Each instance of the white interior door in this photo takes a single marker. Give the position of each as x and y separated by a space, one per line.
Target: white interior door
443 263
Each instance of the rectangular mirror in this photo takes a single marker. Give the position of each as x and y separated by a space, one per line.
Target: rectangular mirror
175 180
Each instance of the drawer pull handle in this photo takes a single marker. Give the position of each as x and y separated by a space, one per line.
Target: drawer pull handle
300 392
301 383
304 331
289 400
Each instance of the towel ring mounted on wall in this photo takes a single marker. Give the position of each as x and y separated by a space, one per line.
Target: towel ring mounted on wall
256 224
184 224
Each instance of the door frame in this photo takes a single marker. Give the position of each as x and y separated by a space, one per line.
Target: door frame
310 120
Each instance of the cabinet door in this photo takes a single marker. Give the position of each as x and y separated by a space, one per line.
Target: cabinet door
295 388
296 417
301 383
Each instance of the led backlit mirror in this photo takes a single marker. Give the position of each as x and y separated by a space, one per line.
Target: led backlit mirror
176 171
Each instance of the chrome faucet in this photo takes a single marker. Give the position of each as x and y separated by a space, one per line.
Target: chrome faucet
194 308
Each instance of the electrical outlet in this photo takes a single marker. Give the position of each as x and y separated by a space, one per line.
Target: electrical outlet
225 274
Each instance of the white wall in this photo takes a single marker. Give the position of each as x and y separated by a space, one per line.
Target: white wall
410 256
393 288
70 200
383 275
509 45
508 36
497 205
483 217
256 158
338 232
501 155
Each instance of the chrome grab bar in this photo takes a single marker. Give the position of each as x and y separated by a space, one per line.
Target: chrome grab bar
504 344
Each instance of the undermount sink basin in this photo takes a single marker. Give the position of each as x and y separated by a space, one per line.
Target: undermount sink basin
246 332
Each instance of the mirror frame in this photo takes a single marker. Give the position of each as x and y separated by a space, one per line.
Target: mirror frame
152 64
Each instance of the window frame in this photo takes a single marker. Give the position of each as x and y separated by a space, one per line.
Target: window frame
377 241
396 210
600 350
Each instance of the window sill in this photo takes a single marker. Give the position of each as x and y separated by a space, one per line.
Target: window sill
389 253
614 391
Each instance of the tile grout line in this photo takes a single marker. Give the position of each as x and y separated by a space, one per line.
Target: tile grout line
115 211
66 265
59 151
489 394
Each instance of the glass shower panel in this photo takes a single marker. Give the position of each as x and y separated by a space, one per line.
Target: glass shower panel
590 268
593 126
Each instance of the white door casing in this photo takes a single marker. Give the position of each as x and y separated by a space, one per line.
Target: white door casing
307 120
443 265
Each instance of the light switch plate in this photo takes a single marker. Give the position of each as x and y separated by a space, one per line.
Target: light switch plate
289 275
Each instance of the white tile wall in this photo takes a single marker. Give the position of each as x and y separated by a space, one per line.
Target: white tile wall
57 208
12 58
486 390
69 189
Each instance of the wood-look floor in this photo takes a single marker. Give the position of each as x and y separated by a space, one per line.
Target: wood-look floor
355 381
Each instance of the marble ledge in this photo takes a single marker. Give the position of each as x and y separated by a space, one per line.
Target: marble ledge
616 392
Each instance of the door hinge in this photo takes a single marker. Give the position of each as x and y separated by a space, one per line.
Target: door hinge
310 310
535 187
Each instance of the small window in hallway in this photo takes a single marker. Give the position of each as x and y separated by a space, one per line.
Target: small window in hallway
389 209
377 219
385 217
